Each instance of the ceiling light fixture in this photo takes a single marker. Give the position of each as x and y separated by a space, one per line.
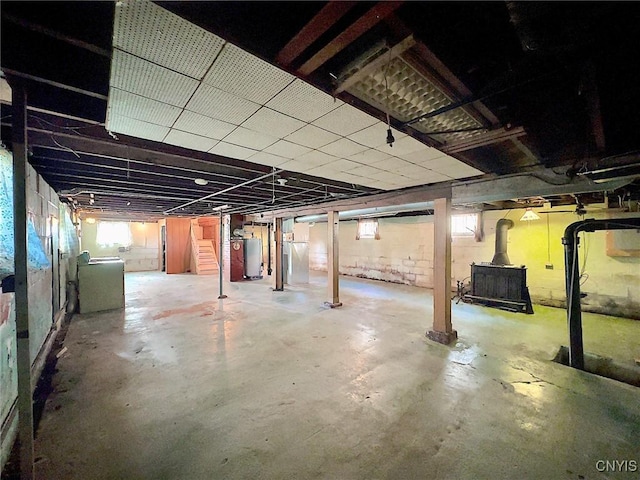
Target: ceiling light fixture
221 207
201 181
390 138
529 215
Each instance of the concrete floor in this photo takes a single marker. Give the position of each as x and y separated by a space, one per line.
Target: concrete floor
272 385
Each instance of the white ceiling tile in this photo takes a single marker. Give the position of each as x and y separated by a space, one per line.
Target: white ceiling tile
272 123
241 73
386 176
315 158
321 171
342 165
312 137
372 136
458 170
233 151
342 148
348 178
395 164
444 161
404 145
202 125
409 169
363 171
369 157
375 135
265 158
421 156
345 120
304 102
432 177
135 128
215 103
144 78
249 139
287 149
386 186
189 140
141 108
151 32
293 165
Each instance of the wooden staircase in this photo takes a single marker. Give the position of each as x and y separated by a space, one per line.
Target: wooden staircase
203 255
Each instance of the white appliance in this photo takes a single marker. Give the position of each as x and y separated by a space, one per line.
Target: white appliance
101 284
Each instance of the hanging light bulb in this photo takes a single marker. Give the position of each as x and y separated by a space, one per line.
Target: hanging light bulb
529 215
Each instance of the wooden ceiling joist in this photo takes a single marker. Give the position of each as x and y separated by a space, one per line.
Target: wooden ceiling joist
375 15
317 26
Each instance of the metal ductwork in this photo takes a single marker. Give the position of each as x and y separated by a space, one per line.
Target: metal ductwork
500 257
369 212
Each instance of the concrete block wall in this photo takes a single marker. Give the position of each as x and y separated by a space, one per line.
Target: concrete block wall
43 209
404 254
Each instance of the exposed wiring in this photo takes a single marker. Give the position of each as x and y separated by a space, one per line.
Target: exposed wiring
73 129
64 148
390 138
548 241
273 185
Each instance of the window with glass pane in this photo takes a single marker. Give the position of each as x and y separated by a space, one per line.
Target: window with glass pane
367 228
464 225
112 234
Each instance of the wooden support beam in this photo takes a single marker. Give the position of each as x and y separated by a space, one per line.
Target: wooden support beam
25 399
318 25
34 27
359 27
442 331
333 260
279 256
52 83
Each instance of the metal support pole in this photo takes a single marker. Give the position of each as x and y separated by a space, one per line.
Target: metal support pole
333 260
221 255
570 241
25 398
572 285
269 270
279 257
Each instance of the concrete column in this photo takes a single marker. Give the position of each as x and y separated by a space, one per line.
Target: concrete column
278 253
443 331
333 260
25 405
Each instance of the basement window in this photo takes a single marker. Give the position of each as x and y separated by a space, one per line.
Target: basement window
368 228
464 225
113 234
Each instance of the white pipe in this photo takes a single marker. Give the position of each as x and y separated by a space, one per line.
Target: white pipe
369 212
215 194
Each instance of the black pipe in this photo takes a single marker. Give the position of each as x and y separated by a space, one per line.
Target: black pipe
570 241
500 257
269 249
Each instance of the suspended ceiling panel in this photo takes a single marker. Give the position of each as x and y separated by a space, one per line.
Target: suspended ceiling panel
141 77
238 72
174 82
151 33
